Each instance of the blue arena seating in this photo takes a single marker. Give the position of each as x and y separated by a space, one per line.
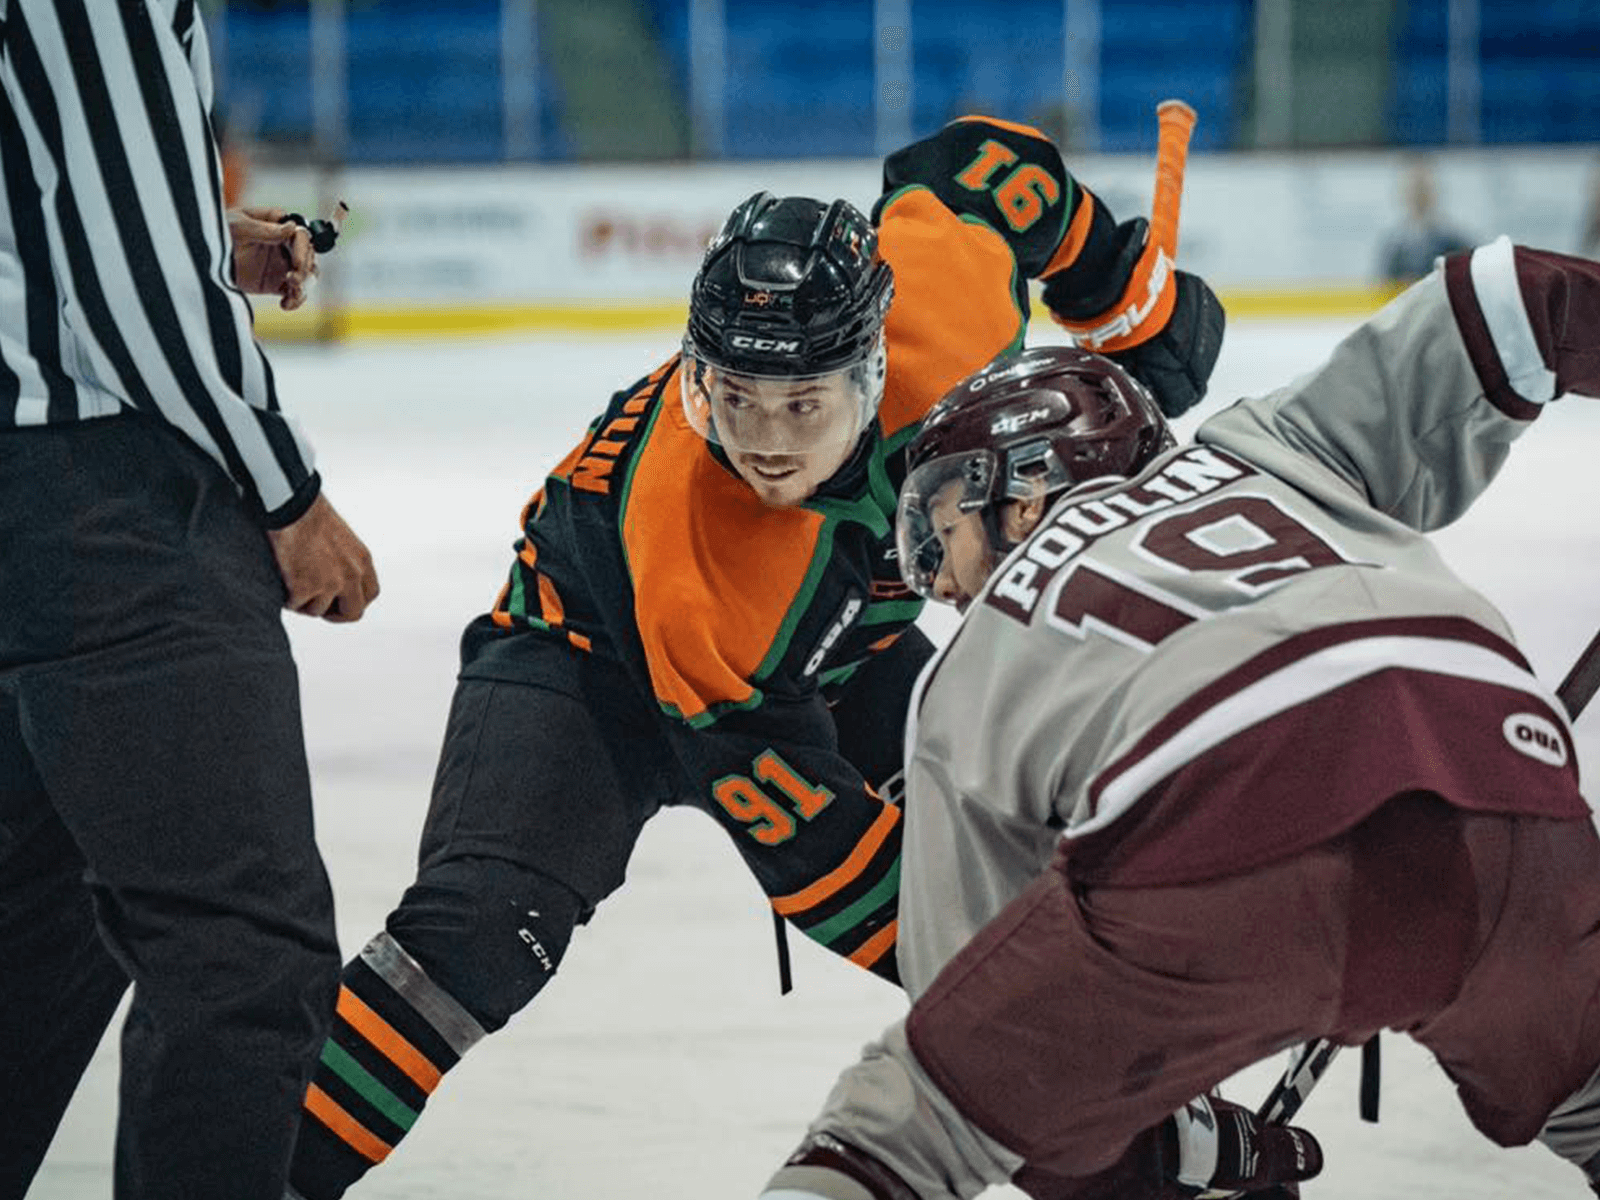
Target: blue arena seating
425 78
1538 72
801 72
424 81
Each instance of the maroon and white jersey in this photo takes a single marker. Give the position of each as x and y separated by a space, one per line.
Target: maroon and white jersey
1187 675
1249 647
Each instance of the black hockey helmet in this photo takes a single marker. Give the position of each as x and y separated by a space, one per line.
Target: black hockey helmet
784 359
1027 425
790 286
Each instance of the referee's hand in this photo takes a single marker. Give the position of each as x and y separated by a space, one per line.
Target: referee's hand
325 567
271 256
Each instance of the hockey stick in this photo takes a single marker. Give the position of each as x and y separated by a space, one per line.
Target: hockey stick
1582 681
1176 121
1149 295
1306 1068
1310 1061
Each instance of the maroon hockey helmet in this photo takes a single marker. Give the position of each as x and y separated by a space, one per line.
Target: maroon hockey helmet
1026 425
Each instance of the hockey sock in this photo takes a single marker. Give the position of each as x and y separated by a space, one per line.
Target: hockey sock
395 1034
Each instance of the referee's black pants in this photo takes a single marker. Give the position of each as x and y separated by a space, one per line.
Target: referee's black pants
155 816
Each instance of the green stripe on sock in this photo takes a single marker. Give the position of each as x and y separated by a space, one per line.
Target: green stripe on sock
338 1060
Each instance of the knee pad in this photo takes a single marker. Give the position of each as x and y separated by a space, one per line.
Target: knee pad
490 933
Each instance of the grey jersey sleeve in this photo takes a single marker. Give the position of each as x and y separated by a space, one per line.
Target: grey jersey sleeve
1402 413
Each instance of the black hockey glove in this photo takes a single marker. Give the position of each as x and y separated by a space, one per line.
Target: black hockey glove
1216 1145
1176 364
1210 1148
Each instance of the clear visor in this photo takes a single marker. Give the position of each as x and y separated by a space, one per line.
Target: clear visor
937 496
789 416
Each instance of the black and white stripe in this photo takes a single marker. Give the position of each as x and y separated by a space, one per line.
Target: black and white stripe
116 284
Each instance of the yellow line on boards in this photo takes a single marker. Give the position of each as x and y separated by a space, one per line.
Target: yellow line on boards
413 323
424 322
1307 302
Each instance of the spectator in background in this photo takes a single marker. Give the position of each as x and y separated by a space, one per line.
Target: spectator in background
1409 251
157 511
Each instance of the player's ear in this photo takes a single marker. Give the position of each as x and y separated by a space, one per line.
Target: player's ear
1019 518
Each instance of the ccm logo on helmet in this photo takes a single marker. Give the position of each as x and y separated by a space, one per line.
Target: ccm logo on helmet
743 341
1016 422
1536 737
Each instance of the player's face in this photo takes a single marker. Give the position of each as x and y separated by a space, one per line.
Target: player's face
968 556
785 437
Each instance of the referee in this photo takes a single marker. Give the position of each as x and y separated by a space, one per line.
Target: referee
157 511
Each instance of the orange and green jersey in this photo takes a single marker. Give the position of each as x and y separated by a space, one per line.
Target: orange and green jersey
739 622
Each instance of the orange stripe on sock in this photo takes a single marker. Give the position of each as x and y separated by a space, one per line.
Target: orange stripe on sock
323 1106
841 875
876 946
384 1037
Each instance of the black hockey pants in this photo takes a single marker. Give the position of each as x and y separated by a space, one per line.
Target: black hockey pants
155 816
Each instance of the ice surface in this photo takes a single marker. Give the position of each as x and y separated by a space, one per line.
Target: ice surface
662 1063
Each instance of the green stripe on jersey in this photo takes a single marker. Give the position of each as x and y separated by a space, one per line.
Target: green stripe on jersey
841 923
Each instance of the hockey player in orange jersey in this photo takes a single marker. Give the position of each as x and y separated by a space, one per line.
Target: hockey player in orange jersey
705 606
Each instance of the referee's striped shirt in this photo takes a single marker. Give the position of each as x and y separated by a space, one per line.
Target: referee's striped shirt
116 287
